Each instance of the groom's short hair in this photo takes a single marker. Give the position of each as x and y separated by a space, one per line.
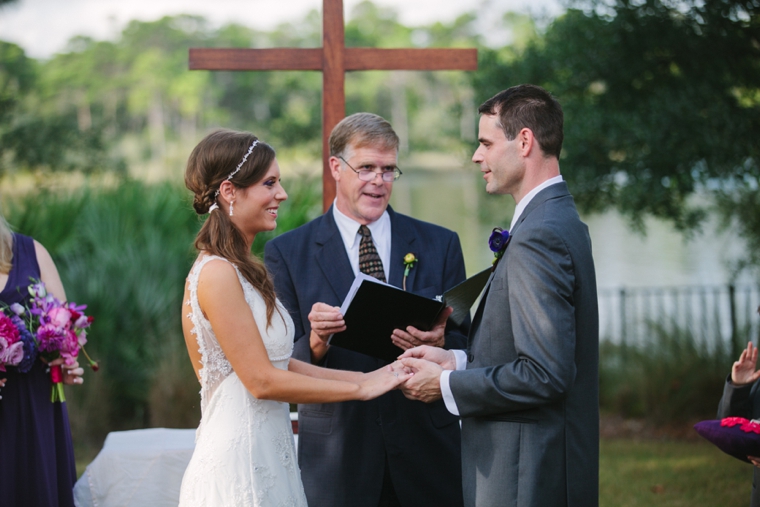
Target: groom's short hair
529 106
362 130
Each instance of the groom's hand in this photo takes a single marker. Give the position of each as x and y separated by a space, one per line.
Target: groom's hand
425 384
446 359
413 337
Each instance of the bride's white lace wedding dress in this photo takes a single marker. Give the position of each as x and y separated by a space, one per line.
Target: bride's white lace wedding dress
244 453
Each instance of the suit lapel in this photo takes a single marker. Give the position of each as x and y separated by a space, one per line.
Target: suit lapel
479 312
331 256
402 243
550 192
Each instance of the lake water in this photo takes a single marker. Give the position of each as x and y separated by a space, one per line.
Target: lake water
457 200
661 275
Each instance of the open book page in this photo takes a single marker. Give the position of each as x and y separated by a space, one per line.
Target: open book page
461 297
354 288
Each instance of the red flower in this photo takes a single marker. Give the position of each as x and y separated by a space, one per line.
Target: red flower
745 425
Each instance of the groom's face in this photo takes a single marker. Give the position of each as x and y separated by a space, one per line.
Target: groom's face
498 157
363 201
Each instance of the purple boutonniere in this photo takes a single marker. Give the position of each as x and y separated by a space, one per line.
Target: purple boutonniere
498 243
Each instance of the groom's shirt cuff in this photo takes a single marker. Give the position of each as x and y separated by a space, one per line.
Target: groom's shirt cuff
448 396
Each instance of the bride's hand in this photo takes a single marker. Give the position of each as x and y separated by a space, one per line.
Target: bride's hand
382 380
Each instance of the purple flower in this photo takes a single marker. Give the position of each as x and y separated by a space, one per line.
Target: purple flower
17 309
50 338
498 240
82 322
498 243
37 290
30 349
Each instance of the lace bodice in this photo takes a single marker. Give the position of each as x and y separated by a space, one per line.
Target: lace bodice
278 338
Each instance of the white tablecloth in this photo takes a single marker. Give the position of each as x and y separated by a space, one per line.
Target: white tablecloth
138 468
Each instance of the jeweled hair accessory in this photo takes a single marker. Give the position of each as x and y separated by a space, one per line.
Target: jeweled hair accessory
233 173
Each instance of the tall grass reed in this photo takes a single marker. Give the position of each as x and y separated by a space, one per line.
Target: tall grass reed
670 378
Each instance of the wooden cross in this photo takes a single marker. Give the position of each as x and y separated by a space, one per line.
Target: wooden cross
333 59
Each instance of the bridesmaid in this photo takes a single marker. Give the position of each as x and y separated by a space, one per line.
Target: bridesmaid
36 453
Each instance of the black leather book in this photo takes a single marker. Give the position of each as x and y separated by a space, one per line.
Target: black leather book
373 309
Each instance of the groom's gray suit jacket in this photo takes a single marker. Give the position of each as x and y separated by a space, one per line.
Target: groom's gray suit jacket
529 397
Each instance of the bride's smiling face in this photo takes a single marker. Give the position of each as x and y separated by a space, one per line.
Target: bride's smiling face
255 208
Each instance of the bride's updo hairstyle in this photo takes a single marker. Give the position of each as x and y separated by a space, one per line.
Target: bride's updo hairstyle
211 163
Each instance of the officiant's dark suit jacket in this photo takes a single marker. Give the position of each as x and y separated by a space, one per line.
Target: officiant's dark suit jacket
743 401
342 447
529 397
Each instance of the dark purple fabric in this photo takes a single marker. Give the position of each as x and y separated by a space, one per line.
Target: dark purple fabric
36 454
730 439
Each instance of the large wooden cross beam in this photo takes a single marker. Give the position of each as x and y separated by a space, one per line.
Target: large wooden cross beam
333 59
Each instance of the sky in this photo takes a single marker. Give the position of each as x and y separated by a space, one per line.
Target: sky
42 27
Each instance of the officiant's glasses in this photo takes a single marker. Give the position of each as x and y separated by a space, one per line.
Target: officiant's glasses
386 173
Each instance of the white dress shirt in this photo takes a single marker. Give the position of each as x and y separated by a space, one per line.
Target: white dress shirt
461 355
381 237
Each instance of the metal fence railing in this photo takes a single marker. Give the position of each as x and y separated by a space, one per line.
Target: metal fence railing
725 314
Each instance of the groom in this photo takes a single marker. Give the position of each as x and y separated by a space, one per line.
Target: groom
390 451
527 388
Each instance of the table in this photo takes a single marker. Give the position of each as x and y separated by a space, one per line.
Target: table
140 468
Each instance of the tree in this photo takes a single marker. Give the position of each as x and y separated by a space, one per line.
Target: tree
661 101
34 135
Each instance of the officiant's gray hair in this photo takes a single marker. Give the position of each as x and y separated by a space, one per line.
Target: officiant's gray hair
361 130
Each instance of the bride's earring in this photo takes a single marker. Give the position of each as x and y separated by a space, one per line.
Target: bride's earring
231 203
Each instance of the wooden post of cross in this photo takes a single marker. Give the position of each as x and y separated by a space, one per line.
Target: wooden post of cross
333 59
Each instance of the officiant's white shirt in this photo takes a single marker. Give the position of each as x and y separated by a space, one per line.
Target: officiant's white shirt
381 237
461 355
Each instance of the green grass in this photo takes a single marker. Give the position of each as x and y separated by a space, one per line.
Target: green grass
635 473
650 473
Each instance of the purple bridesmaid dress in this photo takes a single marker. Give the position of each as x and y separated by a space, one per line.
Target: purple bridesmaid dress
36 454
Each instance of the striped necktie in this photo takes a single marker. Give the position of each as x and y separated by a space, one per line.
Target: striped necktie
369 259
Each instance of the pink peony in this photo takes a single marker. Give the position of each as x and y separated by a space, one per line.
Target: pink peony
70 346
60 317
8 330
10 354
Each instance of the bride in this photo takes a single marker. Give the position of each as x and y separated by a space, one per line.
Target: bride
239 338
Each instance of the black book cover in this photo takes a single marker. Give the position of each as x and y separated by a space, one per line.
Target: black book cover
373 309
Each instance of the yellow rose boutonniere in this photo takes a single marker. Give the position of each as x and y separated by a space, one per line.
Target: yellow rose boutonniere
409 260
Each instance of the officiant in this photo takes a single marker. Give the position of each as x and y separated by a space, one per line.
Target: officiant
390 451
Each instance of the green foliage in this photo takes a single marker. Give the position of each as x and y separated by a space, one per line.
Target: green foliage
673 378
125 252
105 105
660 101
36 134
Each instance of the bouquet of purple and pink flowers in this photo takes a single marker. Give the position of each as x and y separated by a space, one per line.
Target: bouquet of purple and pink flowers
17 347
53 328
